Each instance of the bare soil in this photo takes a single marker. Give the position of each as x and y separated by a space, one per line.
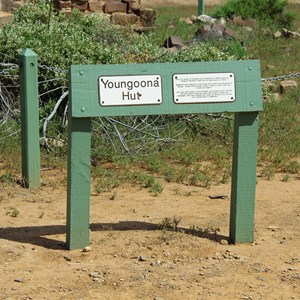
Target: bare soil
131 259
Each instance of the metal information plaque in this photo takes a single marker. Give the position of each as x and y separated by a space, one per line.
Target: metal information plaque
203 88
130 90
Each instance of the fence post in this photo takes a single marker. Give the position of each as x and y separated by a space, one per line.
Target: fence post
78 194
29 118
200 7
243 178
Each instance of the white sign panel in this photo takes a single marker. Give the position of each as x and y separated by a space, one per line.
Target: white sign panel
203 88
130 90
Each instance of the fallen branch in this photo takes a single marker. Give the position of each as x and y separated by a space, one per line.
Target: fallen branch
44 139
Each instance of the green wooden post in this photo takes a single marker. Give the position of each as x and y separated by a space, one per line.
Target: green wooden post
78 198
243 178
29 118
200 7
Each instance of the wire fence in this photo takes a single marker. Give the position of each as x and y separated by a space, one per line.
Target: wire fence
133 134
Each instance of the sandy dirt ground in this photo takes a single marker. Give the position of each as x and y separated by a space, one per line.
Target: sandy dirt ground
131 259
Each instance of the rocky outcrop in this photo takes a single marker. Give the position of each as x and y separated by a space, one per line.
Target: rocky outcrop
5 18
123 12
213 28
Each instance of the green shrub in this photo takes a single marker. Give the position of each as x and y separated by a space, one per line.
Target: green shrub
196 52
77 39
269 12
61 41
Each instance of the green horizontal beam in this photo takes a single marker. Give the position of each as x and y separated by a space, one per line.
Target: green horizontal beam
85 88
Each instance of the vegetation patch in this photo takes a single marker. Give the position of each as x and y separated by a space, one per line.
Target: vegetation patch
269 12
194 150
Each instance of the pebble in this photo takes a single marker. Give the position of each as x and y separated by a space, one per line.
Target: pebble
86 249
67 258
94 274
287 86
277 34
221 196
206 19
186 20
142 258
18 280
273 228
224 242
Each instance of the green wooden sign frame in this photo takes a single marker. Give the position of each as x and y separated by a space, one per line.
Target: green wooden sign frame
85 104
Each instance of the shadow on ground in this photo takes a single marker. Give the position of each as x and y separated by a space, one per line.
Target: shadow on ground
41 235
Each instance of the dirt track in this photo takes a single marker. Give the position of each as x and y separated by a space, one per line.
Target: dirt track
129 259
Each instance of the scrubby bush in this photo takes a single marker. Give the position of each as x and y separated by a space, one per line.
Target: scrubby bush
269 12
61 41
201 52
